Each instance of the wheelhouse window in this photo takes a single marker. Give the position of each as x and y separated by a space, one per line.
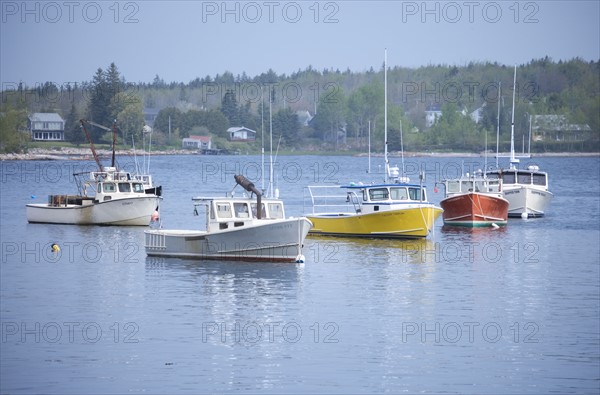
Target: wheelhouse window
275 210
109 187
524 178
379 194
453 187
414 193
223 210
467 186
241 210
124 187
539 179
138 188
398 193
508 178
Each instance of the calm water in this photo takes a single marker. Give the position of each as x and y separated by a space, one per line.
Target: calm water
514 310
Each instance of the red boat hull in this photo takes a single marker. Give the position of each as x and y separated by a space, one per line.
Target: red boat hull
475 209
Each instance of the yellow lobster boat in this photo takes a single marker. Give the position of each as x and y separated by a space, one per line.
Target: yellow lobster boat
394 210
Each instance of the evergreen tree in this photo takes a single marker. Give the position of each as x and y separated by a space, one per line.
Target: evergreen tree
229 107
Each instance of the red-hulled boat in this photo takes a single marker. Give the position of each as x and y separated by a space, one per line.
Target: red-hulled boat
474 201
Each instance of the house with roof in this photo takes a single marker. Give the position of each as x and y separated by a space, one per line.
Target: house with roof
241 134
433 112
197 142
46 126
558 128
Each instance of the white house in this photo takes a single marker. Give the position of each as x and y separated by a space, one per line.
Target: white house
432 113
241 134
46 126
197 142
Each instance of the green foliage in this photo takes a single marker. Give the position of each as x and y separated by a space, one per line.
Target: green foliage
13 134
285 124
345 102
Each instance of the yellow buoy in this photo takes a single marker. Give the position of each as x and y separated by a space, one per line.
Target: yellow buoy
55 247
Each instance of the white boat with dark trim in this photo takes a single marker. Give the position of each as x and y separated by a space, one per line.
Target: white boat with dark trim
237 228
108 197
525 189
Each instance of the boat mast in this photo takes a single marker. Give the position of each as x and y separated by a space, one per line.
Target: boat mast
369 171
262 130
385 144
271 142
498 122
114 142
89 138
513 160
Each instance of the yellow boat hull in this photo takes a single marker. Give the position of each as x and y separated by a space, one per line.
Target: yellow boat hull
403 223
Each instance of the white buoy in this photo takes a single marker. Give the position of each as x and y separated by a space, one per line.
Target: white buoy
524 215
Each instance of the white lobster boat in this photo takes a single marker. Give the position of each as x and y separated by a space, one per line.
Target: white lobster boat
237 228
109 197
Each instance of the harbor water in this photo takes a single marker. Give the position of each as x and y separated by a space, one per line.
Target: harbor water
468 311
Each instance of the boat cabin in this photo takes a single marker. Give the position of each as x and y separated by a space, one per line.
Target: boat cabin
372 198
464 185
232 213
112 184
529 176
388 193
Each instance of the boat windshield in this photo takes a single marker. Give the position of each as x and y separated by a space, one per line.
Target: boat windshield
453 187
124 187
137 187
109 187
223 210
414 193
524 178
539 179
379 194
241 210
508 178
398 193
467 186
275 210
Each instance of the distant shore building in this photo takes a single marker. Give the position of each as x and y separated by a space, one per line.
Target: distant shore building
241 134
432 113
46 126
197 142
557 127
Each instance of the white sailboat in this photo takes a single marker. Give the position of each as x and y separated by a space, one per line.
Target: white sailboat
525 189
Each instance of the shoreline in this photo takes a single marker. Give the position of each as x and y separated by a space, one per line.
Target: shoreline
85 154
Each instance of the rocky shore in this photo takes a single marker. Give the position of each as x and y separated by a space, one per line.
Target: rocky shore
64 153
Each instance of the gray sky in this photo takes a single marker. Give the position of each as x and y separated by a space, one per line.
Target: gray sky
66 41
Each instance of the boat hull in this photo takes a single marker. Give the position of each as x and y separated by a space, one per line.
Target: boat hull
125 212
474 210
268 241
400 223
524 200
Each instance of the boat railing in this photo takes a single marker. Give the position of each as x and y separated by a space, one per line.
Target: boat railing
325 198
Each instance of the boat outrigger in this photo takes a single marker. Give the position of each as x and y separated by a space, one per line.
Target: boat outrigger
108 197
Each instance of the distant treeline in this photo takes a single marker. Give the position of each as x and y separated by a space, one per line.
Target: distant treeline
333 109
